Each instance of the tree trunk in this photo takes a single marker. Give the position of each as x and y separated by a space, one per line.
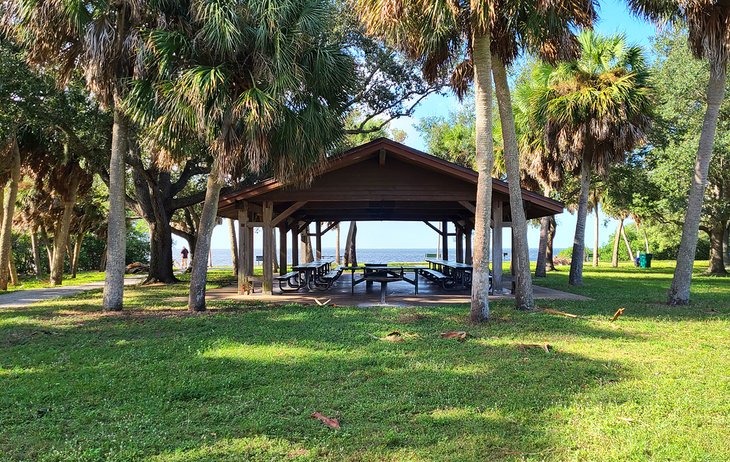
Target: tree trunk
717 260
234 245
484 162
726 242
597 228
576 263
60 240
160 252
6 224
520 251
646 240
116 240
351 245
199 276
337 245
77 252
616 242
540 270
13 271
306 252
680 288
35 247
628 244
549 261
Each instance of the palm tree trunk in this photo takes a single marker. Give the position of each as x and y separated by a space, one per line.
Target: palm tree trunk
35 247
305 250
628 244
540 270
521 253
116 240
679 290
60 239
484 162
6 224
77 252
234 245
717 260
549 262
13 271
616 242
351 245
199 276
595 238
576 263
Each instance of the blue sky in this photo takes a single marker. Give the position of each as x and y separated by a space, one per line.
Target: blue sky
614 17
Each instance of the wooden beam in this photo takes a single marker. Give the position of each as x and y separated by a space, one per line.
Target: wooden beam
330 227
438 231
243 273
304 225
295 243
381 157
459 244
497 247
268 279
287 213
469 206
282 250
318 240
468 253
255 224
445 240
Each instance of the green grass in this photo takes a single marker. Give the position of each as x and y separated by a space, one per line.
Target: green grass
82 277
240 382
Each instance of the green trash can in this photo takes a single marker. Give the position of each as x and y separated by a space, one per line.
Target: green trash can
645 260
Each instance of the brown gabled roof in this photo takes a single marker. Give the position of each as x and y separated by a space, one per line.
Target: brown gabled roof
403 153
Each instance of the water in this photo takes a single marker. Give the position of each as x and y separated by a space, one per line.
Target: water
222 257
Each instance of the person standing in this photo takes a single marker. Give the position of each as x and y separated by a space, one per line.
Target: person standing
184 254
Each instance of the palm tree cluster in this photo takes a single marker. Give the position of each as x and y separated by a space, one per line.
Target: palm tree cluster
591 112
262 84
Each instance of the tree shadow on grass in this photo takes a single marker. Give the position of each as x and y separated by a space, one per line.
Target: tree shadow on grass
176 387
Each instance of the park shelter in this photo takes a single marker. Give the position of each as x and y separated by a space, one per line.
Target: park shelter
378 181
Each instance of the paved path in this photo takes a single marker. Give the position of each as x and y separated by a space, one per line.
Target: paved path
21 298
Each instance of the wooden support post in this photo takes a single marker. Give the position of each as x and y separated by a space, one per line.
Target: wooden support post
282 250
295 243
497 246
467 239
244 276
318 240
249 249
444 240
459 244
268 280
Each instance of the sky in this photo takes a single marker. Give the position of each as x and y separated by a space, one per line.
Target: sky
614 17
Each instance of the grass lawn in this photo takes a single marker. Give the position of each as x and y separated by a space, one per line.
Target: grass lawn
240 382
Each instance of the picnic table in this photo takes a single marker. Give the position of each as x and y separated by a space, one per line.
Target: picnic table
317 274
383 274
447 272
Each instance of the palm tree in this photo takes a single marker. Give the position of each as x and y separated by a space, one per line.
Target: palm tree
260 83
97 37
437 35
709 38
592 110
546 30
10 175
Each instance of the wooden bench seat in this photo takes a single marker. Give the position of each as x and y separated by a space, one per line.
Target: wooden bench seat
291 279
286 276
433 275
332 275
